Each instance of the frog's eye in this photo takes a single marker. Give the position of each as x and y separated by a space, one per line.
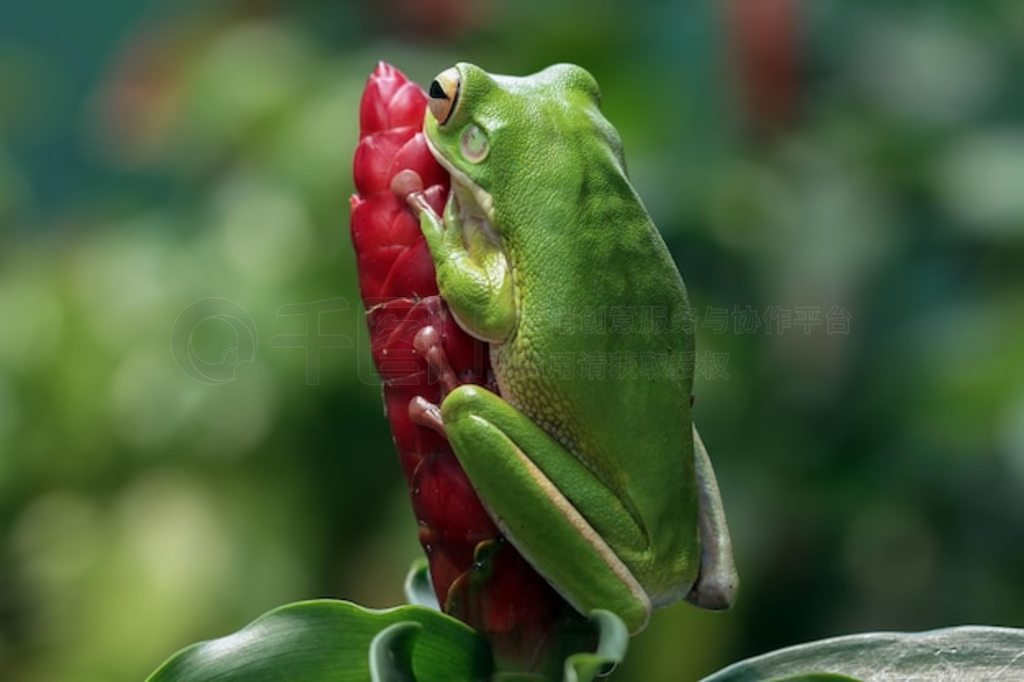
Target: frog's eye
444 94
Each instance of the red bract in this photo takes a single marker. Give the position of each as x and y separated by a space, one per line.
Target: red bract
477 576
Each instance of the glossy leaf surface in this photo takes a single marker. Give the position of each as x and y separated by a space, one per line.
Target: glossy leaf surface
328 641
951 654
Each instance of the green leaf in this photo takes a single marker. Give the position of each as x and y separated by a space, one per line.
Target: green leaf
816 677
960 653
611 649
391 653
418 588
326 641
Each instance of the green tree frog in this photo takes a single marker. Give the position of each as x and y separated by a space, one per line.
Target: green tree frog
588 460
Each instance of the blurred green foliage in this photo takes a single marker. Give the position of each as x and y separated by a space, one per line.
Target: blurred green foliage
168 472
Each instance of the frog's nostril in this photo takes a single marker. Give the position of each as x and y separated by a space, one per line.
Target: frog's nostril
436 91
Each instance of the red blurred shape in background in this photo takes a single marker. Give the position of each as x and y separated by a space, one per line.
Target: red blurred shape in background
765 42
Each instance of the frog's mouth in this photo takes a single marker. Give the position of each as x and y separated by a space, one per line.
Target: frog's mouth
476 205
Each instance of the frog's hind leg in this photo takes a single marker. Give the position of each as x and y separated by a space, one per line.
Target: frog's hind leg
556 512
717 581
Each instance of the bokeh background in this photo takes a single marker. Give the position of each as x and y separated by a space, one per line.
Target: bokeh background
190 433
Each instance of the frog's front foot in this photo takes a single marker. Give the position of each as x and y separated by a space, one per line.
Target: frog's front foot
405 184
418 202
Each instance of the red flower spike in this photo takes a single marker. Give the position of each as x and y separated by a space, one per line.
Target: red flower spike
477 576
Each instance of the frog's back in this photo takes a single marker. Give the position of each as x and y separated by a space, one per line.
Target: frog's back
602 359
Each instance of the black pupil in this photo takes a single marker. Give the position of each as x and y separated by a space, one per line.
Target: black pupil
436 91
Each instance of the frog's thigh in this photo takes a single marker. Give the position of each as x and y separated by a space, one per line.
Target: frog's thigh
519 472
717 581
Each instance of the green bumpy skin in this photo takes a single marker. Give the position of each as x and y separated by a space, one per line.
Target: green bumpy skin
588 461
